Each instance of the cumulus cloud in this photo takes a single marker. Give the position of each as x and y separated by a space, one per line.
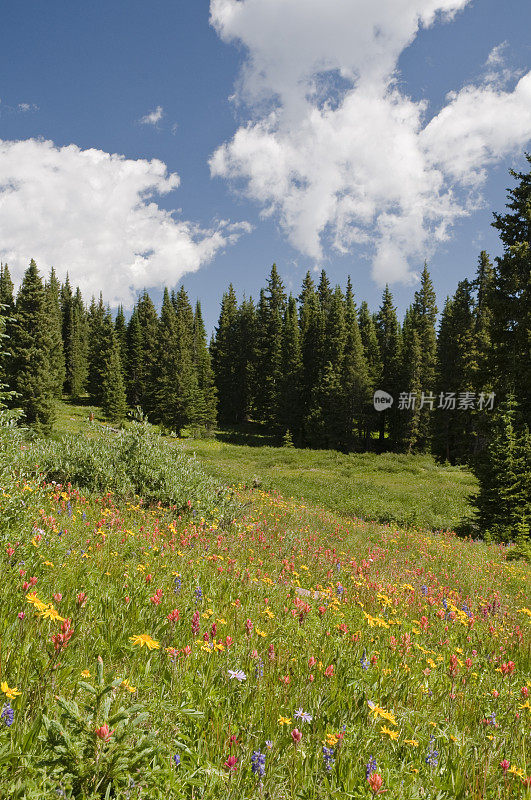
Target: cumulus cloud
153 117
336 151
95 215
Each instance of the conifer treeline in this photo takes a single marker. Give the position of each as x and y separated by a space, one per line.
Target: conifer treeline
309 366
306 367
56 345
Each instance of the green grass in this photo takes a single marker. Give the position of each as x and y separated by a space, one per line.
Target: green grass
408 490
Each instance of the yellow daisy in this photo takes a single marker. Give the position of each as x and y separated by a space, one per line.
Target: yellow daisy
145 639
10 693
389 732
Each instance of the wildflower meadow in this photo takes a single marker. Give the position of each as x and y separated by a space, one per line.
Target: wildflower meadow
156 650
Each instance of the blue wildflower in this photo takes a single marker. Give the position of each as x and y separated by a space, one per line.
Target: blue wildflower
364 661
371 767
198 594
258 763
7 715
178 583
432 756
177 759
328 757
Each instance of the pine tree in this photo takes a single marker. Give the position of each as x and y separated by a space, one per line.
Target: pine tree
389 345
134 360
149 325
77 347
408 407
311 341
511 296
6 288
66 317
176 394
31 352
289 413
223 352
424 314
504 500
355 381
453 436
120 330
371 351
205 375
269 351
101 330
482 365
245 359
7 306
113 401
52 292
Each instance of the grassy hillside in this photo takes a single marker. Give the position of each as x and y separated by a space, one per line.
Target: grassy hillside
407 490
193 644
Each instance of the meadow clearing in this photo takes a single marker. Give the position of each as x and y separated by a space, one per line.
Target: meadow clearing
200 642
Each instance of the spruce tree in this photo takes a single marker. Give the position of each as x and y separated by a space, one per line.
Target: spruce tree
6 288
269 352
7 306
30 345
389 345
311 340
482 366
289 413
504 500
511 297
113 400
223 352
453 435
424 314
101 330
355 380
52 291
371 351
66 299
202 361
77 347
245 360
408 403
176 394
149 324
134 360
120 330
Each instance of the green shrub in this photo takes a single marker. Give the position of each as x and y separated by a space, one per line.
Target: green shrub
132 462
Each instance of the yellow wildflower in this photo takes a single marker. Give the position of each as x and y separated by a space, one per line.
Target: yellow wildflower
412 742
127 685
284 721
10 693
145 639
378 711
389 732
51 613
85 673
34 600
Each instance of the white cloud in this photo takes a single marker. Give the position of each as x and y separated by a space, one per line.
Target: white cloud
335 150
497 55
94 215
154 117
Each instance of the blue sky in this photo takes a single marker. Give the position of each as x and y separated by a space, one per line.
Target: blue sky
322 131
